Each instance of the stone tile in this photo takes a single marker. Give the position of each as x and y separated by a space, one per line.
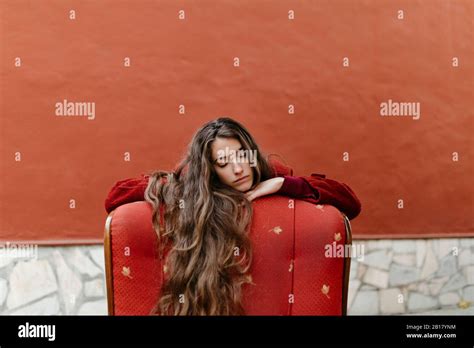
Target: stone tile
430 265
365 303
5 272
449 299
367 287
70 284
5 261
447 266
468 272
357 252
468 293
376 277
390 302
378 244
405 259
94 308
435 285
97 255
379 259
3 290
94 288
353 288
466 242
404 246
446 247
423 288
420 302
361 271
466 257
30 280
456 282
353 271
434 244
46 306
82 263
401 275
421 246
45 252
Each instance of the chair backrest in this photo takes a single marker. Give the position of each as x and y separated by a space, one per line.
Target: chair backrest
294 270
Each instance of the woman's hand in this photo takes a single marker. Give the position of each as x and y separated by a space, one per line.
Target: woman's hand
266 187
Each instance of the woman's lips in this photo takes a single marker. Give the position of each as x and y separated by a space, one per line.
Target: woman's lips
242 179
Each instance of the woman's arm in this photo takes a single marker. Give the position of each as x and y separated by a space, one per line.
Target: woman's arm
316 189
126 191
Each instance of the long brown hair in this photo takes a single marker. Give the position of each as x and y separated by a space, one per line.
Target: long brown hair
206 224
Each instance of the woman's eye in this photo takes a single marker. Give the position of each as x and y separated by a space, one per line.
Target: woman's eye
221 163
243 154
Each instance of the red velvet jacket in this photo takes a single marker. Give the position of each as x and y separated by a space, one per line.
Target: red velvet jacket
316 189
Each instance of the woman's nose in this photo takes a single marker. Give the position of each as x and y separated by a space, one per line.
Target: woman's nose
237 168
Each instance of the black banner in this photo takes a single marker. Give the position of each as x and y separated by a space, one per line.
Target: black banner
42 331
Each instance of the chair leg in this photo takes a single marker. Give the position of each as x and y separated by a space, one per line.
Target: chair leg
347 265
109 276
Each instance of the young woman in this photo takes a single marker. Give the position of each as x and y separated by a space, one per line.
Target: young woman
207 210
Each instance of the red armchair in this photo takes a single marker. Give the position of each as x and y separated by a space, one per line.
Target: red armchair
291 273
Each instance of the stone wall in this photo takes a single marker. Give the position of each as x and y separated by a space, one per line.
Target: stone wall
428 276
61 280
392 277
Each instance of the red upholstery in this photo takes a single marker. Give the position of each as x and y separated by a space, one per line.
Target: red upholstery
291 274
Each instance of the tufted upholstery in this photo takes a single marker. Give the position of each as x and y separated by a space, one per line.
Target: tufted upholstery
291 274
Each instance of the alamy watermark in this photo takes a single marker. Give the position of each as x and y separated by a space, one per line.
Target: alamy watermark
392 108
66 108
344 250
13 250
237 156
28 330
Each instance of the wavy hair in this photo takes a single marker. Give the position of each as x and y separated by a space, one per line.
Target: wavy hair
206 227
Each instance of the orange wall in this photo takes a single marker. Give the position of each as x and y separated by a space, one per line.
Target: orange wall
283 62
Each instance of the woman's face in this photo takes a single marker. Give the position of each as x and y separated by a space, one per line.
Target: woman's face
231 163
